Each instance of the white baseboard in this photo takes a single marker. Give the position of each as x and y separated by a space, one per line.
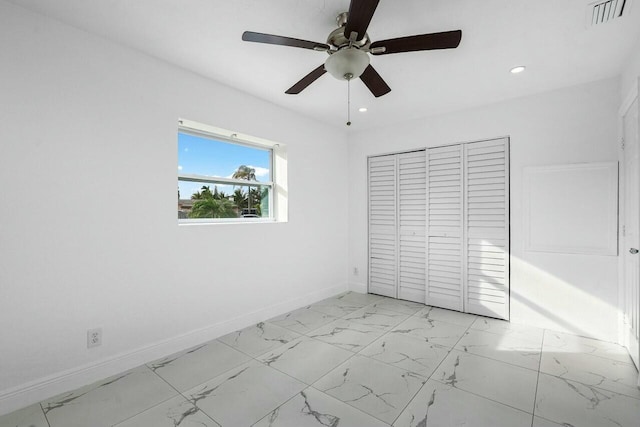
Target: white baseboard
358 287
61 382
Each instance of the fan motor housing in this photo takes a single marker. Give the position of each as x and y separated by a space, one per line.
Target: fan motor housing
337 38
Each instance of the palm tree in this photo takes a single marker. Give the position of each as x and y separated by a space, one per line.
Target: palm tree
240 199
255 197
209 207
204 193
245 172
219 195
249 174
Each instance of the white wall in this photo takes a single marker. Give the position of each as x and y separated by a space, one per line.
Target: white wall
630 73
88 219
576 293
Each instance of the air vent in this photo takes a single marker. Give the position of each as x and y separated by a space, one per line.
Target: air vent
602 12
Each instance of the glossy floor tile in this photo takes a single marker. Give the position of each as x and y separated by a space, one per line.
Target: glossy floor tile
312 408
108 402
259 338
360 299
432 331
364 360
559 342
607 374
404 307
572 403
376 317
449 316
31 416
376 388
505 348
305 359
187 369
245 394
444 405
495 380
541 422
303 320
504 328
406 352
348 335
174 412
339 306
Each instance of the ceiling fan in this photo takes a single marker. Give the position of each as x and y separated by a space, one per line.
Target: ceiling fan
348 47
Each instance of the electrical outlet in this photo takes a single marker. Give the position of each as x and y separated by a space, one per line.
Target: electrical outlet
355 271
94 337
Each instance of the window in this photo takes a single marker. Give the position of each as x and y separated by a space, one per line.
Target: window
224 176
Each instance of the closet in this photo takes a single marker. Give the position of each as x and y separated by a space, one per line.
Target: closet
439 227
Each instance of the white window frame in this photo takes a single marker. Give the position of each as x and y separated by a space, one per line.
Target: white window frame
277 154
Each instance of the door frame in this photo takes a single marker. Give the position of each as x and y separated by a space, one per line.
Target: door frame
632 96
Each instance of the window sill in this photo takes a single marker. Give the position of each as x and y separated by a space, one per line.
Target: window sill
218 221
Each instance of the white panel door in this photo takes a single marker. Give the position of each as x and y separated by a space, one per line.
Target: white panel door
486 228
412 204
445 227
631 234
383 247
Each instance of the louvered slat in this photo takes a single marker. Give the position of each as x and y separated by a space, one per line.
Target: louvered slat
444 227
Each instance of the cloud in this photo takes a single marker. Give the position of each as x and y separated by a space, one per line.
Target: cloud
179 167
260 172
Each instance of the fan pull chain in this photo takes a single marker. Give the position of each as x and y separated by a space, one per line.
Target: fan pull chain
348 102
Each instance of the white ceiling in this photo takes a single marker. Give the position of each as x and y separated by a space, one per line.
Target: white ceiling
548 36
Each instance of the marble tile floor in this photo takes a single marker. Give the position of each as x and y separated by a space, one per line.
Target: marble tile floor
364 361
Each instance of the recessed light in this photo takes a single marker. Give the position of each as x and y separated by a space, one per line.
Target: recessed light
518 69
362 109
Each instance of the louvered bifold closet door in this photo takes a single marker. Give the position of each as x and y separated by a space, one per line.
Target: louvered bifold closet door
412 204
383 246
444 227
487 228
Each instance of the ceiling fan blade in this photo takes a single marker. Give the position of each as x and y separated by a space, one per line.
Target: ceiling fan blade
360 14
250 36
445 40
374 82
306 81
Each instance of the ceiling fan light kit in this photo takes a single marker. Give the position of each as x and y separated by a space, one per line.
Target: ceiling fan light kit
348 63
349 47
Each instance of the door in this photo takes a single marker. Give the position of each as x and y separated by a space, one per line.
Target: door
631 241
486 228
397 201
412 203
383 246
444 227
468 228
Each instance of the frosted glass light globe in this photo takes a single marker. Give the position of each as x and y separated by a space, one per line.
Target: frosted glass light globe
345 62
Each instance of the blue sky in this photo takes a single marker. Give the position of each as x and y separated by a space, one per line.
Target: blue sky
204 156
